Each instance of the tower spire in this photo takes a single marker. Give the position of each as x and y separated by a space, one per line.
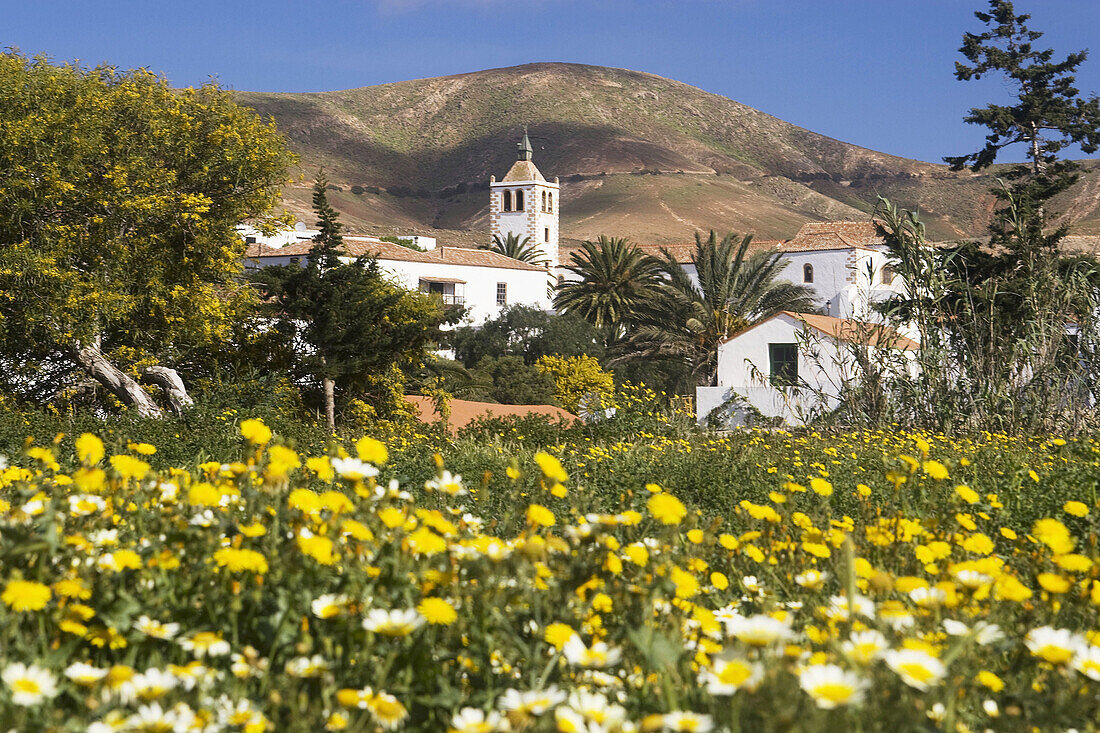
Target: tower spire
523 148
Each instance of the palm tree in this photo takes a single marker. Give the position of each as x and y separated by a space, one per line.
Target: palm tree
616 280
518 249
736 289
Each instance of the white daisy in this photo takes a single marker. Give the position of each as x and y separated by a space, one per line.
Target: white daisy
29 685
830 686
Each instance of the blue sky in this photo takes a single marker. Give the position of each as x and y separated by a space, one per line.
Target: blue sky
878 73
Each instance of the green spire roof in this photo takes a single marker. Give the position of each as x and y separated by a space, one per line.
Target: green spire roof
523 148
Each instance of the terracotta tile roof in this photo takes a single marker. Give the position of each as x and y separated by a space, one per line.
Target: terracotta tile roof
860 332
437 279
395 252
682 252
523 170
260 250
845 329
464 412
829 235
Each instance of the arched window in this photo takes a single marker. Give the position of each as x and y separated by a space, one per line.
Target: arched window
550 202
519 200
507 195
887 275
544 200
807 273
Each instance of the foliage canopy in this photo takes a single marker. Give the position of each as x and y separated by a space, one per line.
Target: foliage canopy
118 201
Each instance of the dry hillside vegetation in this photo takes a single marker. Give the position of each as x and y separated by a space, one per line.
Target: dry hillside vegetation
638 155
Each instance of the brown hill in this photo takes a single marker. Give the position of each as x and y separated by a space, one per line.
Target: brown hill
638 156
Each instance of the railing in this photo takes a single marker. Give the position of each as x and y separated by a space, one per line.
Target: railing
447 298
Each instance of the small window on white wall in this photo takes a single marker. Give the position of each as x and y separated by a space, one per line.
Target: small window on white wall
887 275
519 200
550 202
546 234
507 198
502 293
807 273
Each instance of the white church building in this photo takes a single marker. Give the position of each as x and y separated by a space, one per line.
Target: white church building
523 203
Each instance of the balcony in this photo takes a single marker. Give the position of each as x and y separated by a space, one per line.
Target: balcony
446 298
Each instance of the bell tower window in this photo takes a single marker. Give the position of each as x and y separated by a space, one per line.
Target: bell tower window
550 202
507 201
519 200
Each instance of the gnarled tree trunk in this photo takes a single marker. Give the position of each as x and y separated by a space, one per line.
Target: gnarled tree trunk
169 381
121 385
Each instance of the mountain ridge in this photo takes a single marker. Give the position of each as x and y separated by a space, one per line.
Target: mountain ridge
638 155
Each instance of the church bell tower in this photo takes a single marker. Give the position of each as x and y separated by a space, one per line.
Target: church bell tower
526 204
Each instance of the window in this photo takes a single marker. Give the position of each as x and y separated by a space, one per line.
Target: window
784 364
250 240
887 275
550 202
807 273
502 293
507 196
544 200
546 235
519 200
295 260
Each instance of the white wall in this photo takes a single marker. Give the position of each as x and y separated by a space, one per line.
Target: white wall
532 222
525 287
833 275
280 238
847 281
824 366
744 366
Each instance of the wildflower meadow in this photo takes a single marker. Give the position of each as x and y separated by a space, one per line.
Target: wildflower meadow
865 581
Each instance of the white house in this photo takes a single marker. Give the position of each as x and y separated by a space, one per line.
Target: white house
792 366
485 282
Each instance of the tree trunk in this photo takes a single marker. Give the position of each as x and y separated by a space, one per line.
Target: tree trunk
169 381
121 385
330 402
1037 164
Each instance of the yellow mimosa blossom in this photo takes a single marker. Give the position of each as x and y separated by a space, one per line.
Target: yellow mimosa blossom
666 508
26 595
437 611
1076 508
89 449
254 431
372 451
551 467
540 516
